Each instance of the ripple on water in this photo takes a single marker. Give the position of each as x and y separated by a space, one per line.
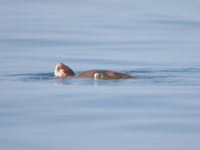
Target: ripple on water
171 77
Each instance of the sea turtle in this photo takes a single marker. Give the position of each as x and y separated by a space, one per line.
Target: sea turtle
63 70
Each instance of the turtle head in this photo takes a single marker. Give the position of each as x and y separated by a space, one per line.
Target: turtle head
63 70
100 76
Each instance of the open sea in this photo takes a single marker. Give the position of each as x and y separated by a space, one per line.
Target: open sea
157 41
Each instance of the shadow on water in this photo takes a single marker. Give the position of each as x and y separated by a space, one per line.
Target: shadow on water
172 77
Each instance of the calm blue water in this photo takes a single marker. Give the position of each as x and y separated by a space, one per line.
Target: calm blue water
157 41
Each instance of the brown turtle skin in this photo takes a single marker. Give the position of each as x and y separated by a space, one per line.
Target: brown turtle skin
63 70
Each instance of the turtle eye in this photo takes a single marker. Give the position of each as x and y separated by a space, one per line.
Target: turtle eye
58 69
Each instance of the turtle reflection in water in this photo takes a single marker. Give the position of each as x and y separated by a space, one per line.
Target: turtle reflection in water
63 70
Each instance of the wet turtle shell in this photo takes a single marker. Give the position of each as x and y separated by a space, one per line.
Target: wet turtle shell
104 75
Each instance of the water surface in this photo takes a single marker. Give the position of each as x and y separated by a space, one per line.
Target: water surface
156 41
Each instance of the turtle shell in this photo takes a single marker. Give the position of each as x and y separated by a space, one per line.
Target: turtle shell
104 75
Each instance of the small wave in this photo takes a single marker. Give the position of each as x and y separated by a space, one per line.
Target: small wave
166 76
33 76
169 76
